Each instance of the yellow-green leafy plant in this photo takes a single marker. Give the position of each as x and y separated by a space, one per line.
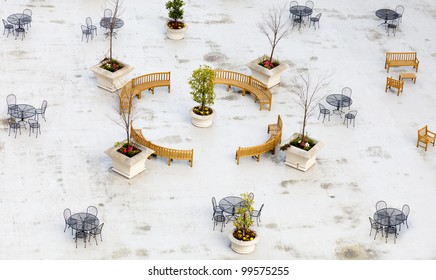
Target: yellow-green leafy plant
243 221
202 89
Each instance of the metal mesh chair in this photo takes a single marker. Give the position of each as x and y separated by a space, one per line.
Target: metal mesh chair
403 217
87 32
315 20
350 116
324 111
292 4
90 25
391 230
376 226
400 11
19 30
25 21
34 126
95 232
381 205
392 25
219 218
41 111
216 208
67 215
309 4
11 100
9 27
107 13
81 234
256 214
92 210
14 126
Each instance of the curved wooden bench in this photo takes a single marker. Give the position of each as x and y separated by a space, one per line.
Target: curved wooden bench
401 59
270 145
137 85
246 83
168 153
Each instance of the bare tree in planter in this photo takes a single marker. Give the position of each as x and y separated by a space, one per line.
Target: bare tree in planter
275 27
112 64
306 91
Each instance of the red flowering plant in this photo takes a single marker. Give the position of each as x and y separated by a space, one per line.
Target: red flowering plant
127 149
265 62
111 65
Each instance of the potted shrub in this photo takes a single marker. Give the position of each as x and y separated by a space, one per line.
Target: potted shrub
128 159
202 91
112 73
265 68
175 28
300 149
243 238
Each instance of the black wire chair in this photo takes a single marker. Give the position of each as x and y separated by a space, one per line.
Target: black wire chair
9 27
324 111
95 232
315 20
216 208
381 204
11 100
256 214
87 32
34 126
90 25
67 215
391 230
219 218
376 226
400 11
92 210
350 117
81 234
392 25
403 217
41 111
13 125
27 21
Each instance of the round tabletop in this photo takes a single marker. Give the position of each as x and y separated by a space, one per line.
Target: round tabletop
388 216
106 22
228 204
18 19
23 111
339 100
300 10
386 14
83 221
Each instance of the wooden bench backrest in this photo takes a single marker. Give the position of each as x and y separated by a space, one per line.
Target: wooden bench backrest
153 78
222 77
391 82
405 56
124 101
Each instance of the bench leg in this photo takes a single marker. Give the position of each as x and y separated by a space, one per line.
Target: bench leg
169 88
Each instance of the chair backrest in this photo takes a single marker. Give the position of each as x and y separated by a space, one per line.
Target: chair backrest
251 195
406 210
213 201
321 107
399 10
11 99
27 12
318 16
92 210
260 209
293 3
373 223
88 21
43 106
347 91
381 205
85 29
5 23
309 4
98 229
107 13
351 114
67 213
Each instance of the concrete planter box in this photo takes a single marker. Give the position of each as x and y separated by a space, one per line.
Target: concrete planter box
111 81
270 77
202 121
243 247
299 158
175 34
126 166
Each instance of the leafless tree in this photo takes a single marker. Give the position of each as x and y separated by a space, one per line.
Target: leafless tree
275 26
125 100
117 12
306 91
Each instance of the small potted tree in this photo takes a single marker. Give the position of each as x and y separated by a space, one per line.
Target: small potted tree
128 159
175 28
243 238
112 73
300 149
202 91
265 68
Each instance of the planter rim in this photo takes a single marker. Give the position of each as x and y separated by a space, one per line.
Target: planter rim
113 153
307 154
112 75
240 242
269 72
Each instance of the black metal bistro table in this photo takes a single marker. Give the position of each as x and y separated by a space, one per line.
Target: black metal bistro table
389 217
83 221
107 22
19 19
339 101
300 11
23 111
386 14
229 204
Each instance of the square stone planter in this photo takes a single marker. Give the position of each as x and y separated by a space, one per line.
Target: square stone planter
111 81
270 77
126 166
299 158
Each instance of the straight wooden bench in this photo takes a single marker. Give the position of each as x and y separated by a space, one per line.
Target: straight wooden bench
247 84
137 85
398 84
270 145
401 59
168 153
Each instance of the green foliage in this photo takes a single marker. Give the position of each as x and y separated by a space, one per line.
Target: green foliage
202 87
243 220
175 9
